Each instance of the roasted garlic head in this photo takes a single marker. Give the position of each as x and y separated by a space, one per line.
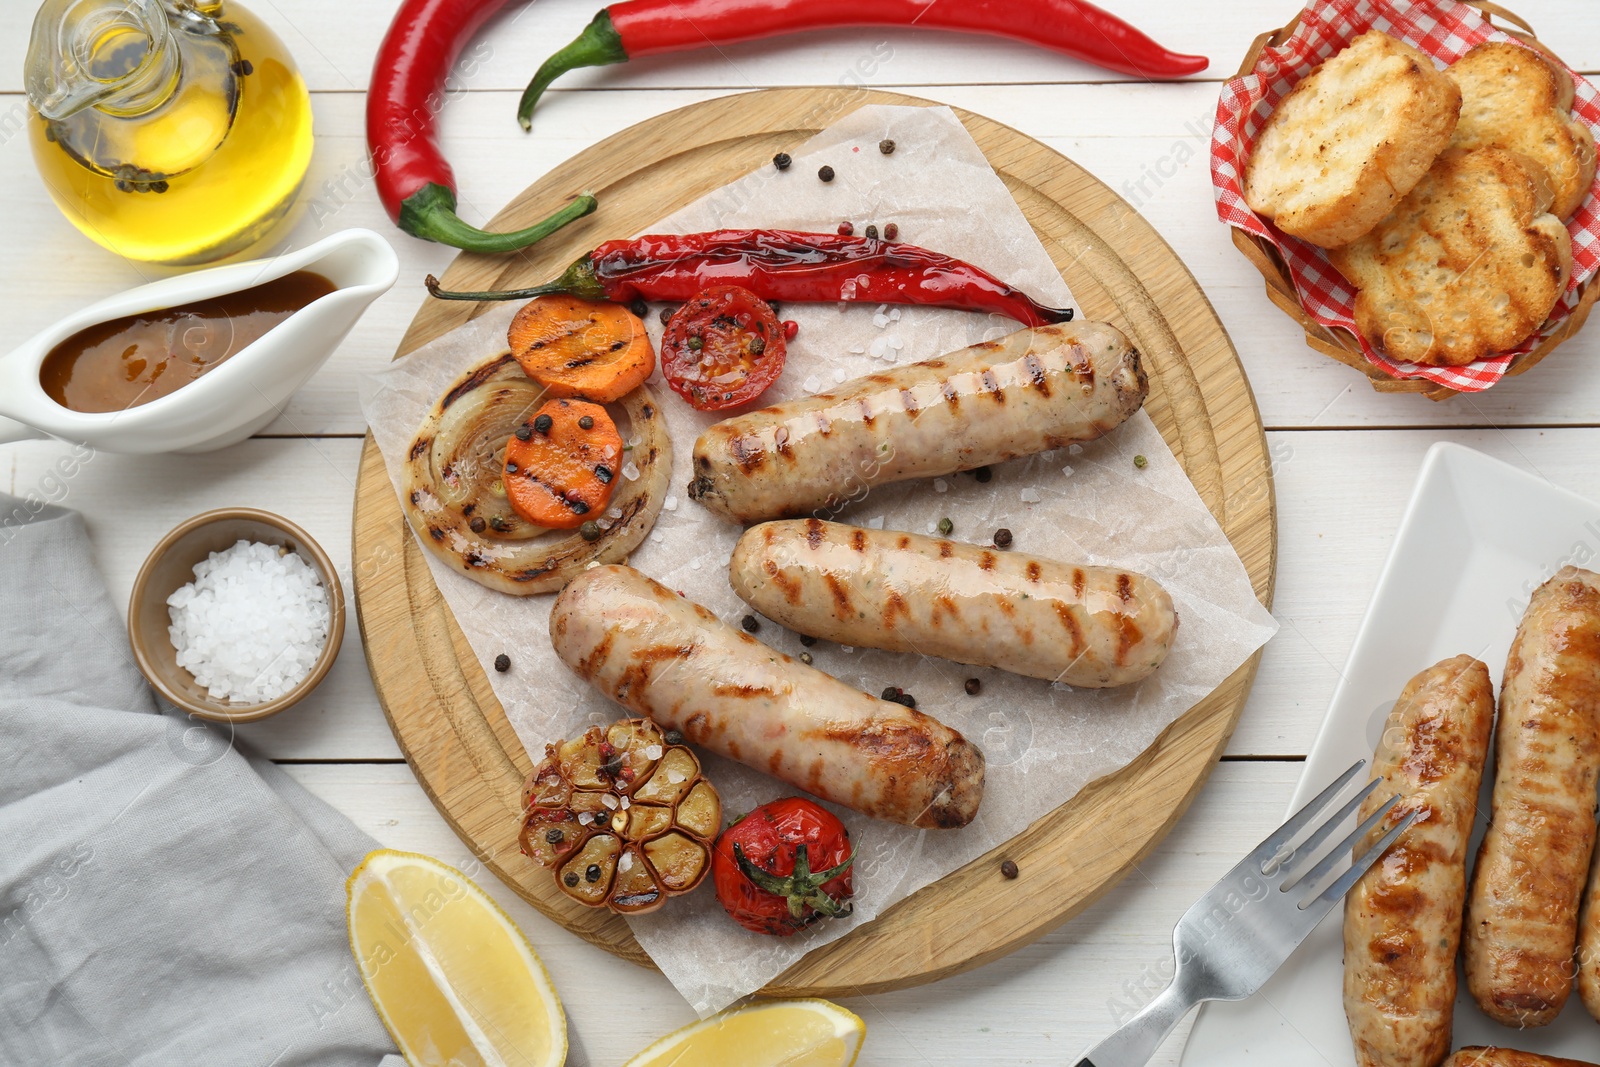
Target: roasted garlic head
623 817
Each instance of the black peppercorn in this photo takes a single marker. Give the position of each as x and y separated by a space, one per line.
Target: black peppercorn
524 433
586 423
891 231
872 232
886 146
908 700
592 875
665 316
892 692
983 474
477 525
973 687
1002 538
750 623
782 161
502 663
639 307
807 640
826 173
1009 868
571 878
542 424
673 737
554 836
590 531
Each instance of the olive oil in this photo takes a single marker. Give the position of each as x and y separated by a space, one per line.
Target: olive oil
178 131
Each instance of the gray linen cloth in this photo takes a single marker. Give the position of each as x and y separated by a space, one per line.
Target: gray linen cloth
164 899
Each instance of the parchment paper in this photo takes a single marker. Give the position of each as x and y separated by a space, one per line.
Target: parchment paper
1092 504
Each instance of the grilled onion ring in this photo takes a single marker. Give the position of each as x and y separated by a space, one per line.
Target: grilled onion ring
453 474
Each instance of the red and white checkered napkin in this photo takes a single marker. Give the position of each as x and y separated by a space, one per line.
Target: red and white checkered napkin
1443 29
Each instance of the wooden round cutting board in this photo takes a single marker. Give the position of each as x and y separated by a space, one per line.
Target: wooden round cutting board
456 736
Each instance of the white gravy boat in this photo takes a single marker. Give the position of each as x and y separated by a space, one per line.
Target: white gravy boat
240 395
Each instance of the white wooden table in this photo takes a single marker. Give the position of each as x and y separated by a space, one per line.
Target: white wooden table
1344 457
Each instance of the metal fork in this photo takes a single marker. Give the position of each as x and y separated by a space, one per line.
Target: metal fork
1236 936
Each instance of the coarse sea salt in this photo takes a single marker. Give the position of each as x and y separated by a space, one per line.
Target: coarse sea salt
252 624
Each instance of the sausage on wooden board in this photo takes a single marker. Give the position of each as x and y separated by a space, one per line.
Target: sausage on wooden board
1029 392
1081 625
662 655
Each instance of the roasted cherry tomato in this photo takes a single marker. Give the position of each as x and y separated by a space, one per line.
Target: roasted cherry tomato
723 348
783 866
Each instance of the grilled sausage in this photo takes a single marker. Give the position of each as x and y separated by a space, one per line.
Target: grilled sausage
1479 1056
1522 919
1589 943
1085 626
1034 390
661 655
1402 920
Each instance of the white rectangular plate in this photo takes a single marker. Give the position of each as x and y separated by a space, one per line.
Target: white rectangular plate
1477 538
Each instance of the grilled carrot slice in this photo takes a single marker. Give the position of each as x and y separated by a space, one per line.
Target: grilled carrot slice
562 464
581 348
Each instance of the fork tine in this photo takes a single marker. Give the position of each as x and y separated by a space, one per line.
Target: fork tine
1339 888
1302 818
1332 822
1343 848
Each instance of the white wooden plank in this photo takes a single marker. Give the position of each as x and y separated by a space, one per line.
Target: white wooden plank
1340 496
1129 136
1044 1004
335 44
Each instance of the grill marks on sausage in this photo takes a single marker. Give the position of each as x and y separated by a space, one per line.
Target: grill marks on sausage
643 662
842 605
1069 623
747 452
814 533
789 587
1078 581
742 691
908 401
991 386
1037 375
1033 571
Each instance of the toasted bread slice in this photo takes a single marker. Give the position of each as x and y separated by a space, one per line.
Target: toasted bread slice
1351 140
1512 97
1467 266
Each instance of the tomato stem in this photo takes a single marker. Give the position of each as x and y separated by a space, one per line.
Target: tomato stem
802 889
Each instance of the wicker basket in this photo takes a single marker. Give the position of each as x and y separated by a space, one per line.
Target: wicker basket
1343 346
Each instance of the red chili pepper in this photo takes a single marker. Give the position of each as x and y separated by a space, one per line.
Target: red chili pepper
408 89
646 27
782 265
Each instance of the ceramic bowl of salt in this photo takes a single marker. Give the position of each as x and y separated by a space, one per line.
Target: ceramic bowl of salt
236 615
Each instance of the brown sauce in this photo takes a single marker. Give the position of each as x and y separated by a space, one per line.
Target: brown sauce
126 362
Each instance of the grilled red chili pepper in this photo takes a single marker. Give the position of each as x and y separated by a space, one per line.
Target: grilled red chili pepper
646 27
782 265
408 88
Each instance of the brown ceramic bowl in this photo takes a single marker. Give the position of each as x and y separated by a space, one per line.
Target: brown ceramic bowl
170 566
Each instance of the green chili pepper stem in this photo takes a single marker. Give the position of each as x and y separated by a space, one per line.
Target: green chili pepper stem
598 45
577 280
430 213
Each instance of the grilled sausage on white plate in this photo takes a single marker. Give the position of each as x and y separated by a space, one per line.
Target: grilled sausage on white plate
1085 626
1589 943
1402 920
1479 1056
1035 390
667 657
1522 917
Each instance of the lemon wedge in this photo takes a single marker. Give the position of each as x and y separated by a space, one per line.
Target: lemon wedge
774 1033
452 977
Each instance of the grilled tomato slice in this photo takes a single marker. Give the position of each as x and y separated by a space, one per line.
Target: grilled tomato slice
623 817
723 348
